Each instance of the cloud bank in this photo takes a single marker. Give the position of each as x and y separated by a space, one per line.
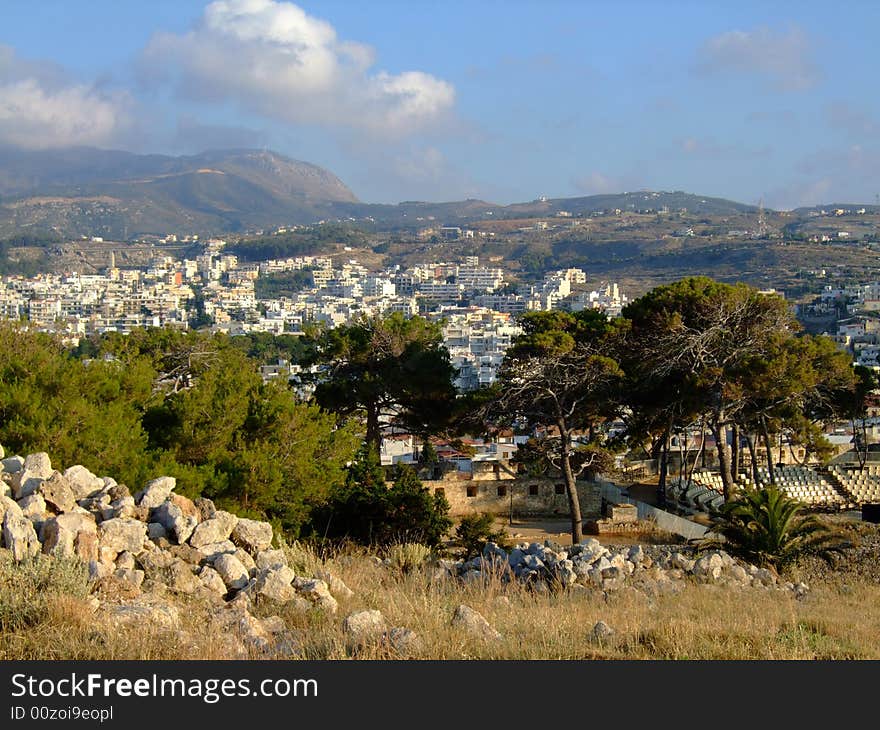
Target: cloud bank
40 108
274 59
783 60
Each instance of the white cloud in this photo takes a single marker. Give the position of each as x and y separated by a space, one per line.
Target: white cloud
39 108
274 59
783 59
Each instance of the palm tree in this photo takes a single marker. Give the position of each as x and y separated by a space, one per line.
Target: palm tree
765 526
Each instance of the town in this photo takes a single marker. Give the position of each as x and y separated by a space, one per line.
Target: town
475 305
478 312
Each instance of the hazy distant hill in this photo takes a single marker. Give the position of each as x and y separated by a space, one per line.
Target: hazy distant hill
100 192
416 213
86 191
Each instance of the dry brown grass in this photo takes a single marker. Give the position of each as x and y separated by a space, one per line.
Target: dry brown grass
834 621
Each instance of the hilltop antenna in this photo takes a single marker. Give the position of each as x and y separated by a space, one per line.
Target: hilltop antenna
762 221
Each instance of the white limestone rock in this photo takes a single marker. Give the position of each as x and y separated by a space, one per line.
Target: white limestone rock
211 580
270 559
134 578
70 534
12 464
252 535
335 584
35 470
34 508
122 533
19 536
83 483
471 622
234 574
214 550
174 519
179 577
145 614
317 592
57 493
155 492
246 560
274 584
216 529
365 627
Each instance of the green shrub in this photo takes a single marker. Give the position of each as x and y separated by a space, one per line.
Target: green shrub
369 512
408 556
474 531
27 587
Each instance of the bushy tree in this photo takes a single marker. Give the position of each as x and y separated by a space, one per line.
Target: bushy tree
190 406
474 531
86 414
390 369
368 511
852 404
694 344
560 375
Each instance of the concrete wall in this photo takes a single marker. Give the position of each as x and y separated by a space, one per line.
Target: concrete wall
524 496
664 520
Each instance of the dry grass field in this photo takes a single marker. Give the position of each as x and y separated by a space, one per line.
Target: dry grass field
49 613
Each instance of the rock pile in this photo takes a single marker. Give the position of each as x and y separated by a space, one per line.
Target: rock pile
152 543
590 565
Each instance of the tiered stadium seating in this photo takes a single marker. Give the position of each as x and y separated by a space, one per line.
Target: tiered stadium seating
802 483
864 485
704 491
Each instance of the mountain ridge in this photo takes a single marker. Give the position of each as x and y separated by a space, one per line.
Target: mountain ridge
89 191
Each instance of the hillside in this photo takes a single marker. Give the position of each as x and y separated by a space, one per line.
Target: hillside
86 191
121 195
638 238
414 214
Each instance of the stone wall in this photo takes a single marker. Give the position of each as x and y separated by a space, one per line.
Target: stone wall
523 496
154 542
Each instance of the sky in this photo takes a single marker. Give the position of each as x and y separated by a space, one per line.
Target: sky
502 101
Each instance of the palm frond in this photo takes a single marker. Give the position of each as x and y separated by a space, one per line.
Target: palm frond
766 526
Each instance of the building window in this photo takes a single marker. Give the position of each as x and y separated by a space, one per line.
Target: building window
502 491
439 491
560 489
533 490
471 491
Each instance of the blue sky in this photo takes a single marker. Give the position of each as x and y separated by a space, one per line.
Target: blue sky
504 101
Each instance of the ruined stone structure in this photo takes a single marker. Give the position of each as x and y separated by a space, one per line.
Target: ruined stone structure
523 497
